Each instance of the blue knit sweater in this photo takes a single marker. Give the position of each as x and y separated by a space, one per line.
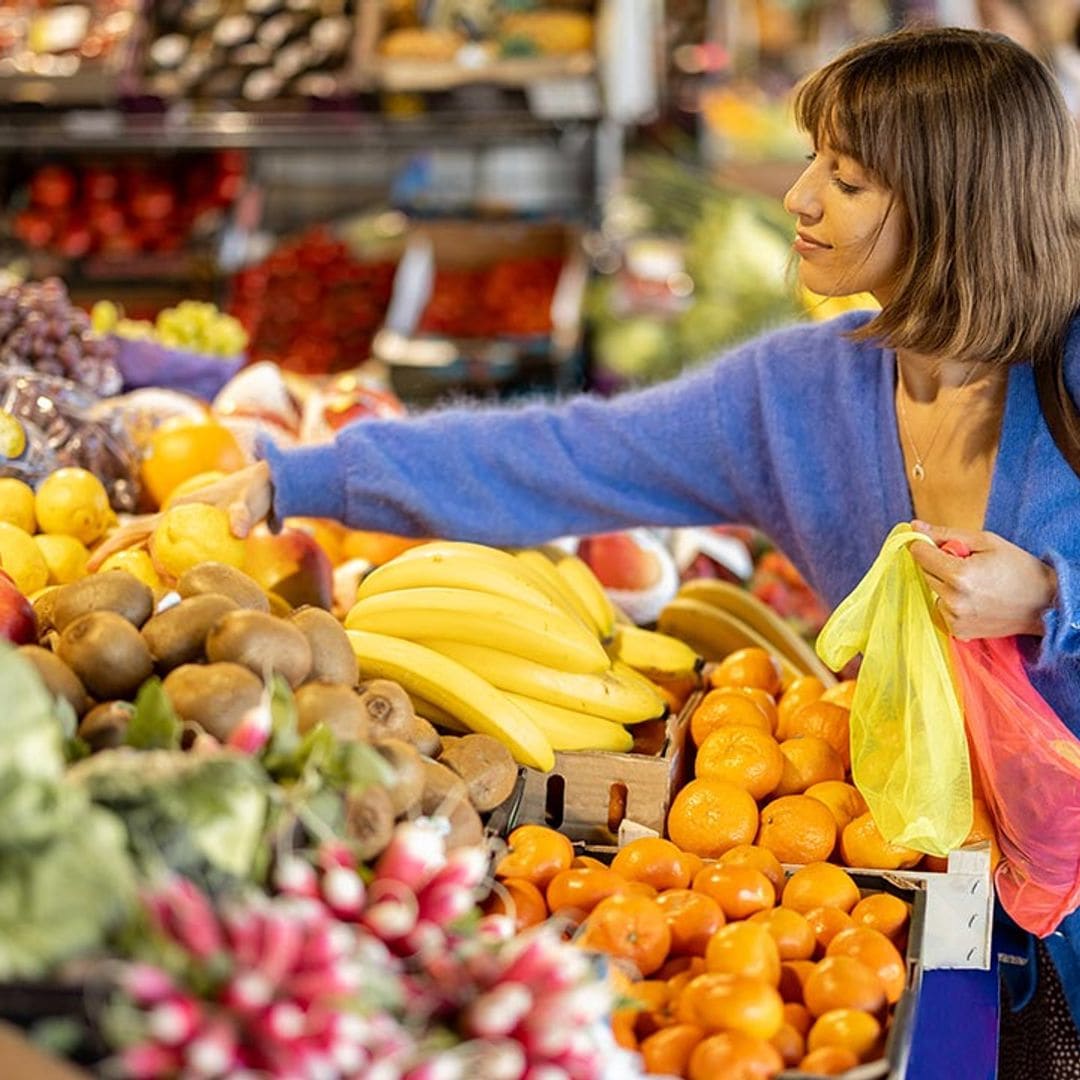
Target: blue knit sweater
794 433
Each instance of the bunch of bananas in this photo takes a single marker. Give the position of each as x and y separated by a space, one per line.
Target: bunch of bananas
523 645
716 618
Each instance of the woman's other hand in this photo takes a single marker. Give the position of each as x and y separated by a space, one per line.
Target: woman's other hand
998 590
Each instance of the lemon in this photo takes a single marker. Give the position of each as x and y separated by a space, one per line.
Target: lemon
17 503
137 562
191 534
64 556
21 558
74 502
192 483
12 436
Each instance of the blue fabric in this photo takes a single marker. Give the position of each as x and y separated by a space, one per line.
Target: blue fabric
794 433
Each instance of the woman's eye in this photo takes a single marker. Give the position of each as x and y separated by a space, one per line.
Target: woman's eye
811 155
846 188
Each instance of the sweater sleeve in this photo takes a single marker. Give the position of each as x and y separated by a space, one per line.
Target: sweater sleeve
680 453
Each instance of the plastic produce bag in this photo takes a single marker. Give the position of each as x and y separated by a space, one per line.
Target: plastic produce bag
1029 764
909 753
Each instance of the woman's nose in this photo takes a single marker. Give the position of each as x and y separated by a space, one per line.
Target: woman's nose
801 199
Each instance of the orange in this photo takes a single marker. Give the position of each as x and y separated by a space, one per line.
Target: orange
640 888
767 703
694 862
695 965
760 859
820 884
797 829
729 705
799 692
584 862
793 976
651 1000
793 935
676 965
375 547
736 1003
657 862
734 1055
850 1029
798 1016
744 948
982 828
843 799
739 890
883 912
631 927
175 452
861 844
752 667
535 853
827 922
675 689
828 1061
825 719
842 982
667 1051
877 952
326 532
808 759
746 756
843 693
790 1043
692 918
521 900
576 892
709 816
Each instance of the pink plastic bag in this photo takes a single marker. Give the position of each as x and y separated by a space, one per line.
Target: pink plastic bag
1029 763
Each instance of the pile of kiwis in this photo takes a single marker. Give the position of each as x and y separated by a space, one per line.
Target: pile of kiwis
100 638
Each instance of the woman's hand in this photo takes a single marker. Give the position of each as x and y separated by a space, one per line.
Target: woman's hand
997 591
245 495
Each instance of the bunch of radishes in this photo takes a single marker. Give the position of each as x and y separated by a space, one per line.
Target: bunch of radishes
383 972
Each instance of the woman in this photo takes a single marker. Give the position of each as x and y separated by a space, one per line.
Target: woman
944 181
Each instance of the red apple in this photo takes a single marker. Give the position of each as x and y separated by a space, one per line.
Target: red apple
18 624
52 187
618 561
291 564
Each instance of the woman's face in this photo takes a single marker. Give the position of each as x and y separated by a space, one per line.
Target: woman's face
849 235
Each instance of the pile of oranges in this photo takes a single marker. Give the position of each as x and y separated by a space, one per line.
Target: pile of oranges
773 767
725 968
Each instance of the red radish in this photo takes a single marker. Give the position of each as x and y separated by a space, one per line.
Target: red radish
247 992
244 929
295 876
326 945
497 1012
253 732
444 904
545 1072
214 1052
416 851
175 1020
147 984
192 920
465 866
148 1061
343 890
282 944
334 853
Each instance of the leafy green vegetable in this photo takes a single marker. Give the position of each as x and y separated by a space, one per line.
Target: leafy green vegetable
31 738
154 725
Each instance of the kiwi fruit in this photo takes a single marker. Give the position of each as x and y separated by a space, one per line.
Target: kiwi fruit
214 696
332 657
58 678
486 766
389 708
336 706
425 738
261 643
408 767
104 727
107 653
43 610
112 590
178 634
225 580
445 794
369 821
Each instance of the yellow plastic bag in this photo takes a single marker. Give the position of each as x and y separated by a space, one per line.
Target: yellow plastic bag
909 753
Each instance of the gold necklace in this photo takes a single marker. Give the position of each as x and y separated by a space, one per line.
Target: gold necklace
918 470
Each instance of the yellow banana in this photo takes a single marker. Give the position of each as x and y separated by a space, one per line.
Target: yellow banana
653 653
715 633
454 689
568 729
464 566
759 617
555 584
579 576
618 694
549 637
436 715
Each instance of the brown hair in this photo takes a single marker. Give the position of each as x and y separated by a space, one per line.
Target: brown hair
972 136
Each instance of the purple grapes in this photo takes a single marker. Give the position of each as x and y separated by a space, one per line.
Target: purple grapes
40 328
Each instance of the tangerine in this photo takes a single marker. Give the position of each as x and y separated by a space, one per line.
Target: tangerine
739 890
667 1051
790 1043
751 667
176 452
633 928
797 829
808 760
746 756
820 884
728 705
798 1016
574 893
827 922
734 1056
883 912
535 853
767 703
799 692
793 935
692 917
759 858
861 844
843 799
708 817
827 721
521 900
657 862
850 1029
828 1061
744 948
877 952
793 976
843 693
736 1003
842 982
982 828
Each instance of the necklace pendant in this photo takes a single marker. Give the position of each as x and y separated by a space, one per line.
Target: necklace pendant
918 471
